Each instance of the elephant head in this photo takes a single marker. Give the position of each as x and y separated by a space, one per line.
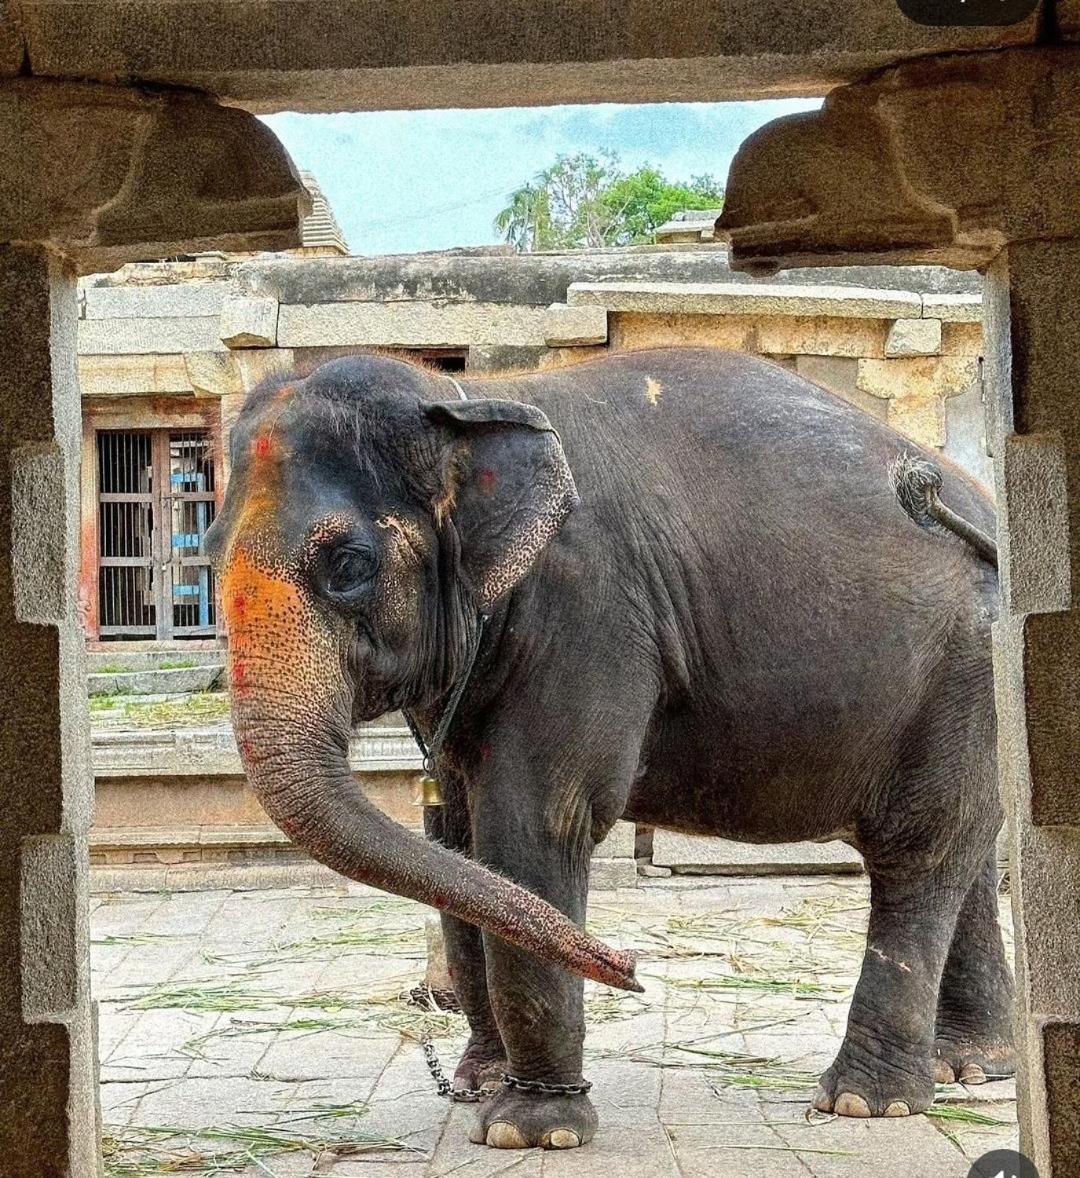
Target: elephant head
371 518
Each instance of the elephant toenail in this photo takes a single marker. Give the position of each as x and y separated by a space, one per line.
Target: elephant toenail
823 1101
503 1135
971 1073
943 1073
850 1105
898 1108
560 1139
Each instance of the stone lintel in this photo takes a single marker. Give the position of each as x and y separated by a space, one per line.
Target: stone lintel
736 298
944 160
330 55
109 174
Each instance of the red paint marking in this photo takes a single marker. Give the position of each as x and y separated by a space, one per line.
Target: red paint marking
485 752
486 478
239 602
262 446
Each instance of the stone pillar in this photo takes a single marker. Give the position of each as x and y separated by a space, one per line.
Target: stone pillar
94 176
48 1077
972 163
1035 423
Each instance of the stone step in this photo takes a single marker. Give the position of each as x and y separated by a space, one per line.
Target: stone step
687 854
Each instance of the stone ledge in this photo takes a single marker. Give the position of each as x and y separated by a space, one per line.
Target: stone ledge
734 298
697 855
212 753
953 308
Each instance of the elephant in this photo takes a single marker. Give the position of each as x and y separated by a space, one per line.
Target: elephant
673 586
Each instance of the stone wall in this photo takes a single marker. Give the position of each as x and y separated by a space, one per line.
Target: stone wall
903 344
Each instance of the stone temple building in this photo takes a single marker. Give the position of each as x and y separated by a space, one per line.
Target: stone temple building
168 351
128 132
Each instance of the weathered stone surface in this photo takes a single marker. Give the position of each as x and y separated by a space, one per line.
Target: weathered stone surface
944 160
154 682
573 326
840 375
914 337
1032 344
1051 665
721 298
322 55
1033 486
921 417
179 300
965 434
12 45
692 854
122 376
962 339
112 337
783 335
619 843
109 173
931 376
631 330
1061 1066
249 323
47 1076
411 325
539 279
953 308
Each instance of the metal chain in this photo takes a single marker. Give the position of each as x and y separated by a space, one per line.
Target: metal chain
424 997
542 1086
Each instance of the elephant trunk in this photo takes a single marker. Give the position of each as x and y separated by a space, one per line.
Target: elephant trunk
292 707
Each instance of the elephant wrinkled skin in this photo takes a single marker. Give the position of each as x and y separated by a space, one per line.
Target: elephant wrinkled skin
705 611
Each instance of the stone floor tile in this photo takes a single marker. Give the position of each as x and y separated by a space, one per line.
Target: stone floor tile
629 1153
188 914
303 1055
153 1049
872 1147
199 1103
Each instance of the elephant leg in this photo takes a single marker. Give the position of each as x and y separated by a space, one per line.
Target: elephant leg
974 1032
925 846
483 1062
536 817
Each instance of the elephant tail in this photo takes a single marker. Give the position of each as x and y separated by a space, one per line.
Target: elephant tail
917 483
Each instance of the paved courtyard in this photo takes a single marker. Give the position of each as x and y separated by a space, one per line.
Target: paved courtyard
267 1034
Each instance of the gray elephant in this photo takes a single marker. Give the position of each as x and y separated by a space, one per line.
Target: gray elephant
673 586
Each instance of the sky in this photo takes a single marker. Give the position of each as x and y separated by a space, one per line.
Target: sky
405 181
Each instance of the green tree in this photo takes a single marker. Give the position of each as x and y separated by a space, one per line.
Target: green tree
526 220
586 201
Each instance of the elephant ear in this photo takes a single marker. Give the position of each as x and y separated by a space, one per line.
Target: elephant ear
505 485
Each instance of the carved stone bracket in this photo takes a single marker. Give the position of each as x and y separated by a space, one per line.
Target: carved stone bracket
944 160
109 174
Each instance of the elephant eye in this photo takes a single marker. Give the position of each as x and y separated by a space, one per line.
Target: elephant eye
348 569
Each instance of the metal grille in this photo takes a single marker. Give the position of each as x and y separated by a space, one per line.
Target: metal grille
126 581
155 503
190 506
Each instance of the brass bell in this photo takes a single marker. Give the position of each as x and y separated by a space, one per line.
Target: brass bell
429 791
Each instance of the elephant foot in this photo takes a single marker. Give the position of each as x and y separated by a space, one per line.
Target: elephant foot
512 1119
972 1062
481 1066
876 1087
